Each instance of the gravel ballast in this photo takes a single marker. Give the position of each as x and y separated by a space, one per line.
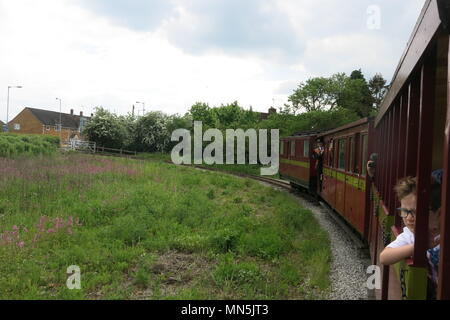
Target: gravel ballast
349 264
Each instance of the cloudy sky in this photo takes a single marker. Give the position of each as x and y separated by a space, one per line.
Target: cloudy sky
173 53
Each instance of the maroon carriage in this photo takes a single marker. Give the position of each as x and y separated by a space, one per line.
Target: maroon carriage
297 161
344 180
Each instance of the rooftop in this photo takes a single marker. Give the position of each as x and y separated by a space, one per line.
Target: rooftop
51 118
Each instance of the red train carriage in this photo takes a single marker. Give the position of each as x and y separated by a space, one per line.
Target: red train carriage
412 138
296 163
343 182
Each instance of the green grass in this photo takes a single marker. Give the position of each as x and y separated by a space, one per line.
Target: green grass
250 169
13 145
150 230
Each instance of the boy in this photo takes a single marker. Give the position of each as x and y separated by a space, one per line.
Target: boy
403 247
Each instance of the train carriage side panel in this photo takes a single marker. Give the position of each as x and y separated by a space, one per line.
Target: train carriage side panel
344 181
295 165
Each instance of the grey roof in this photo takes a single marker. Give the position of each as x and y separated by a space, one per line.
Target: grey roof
51 118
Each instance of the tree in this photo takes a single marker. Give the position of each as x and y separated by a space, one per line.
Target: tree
151 133
312 121
378 89
315 94
202 112
106 129
356 97
339 90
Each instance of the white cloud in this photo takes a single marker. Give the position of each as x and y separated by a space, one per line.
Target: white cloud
59 48
345 53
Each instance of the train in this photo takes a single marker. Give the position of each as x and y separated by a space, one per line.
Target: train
410 136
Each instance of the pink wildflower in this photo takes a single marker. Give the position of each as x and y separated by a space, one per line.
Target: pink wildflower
20 244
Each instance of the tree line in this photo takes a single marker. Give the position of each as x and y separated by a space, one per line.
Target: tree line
317 104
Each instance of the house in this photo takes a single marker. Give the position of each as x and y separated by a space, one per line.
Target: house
38 121
264 116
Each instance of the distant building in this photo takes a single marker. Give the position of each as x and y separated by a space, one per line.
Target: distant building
38 121
264 115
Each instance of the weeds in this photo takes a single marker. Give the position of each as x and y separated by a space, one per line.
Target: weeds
216 237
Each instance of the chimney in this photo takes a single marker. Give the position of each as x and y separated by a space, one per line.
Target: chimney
81 113
71 112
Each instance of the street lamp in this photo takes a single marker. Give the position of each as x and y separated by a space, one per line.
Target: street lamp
60 121
143 107
7 104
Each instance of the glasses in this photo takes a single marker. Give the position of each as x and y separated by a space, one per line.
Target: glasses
404 213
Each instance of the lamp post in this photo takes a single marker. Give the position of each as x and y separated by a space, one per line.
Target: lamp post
143 107
60 121
7 104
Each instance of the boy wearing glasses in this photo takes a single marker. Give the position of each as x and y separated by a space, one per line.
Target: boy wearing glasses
403 247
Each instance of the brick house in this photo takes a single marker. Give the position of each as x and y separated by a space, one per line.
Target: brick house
264 115
38 121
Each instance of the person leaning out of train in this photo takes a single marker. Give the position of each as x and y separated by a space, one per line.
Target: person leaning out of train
403 246
371 165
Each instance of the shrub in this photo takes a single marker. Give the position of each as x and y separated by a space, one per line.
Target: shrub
12 145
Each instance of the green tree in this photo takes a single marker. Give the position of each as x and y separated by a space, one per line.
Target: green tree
315 94
106 129
378 89
151 133
312 121
339 90
202 112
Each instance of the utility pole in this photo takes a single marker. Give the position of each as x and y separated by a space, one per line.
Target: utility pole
60 121
143 107
7 104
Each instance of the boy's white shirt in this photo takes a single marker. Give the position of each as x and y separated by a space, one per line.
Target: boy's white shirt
403 239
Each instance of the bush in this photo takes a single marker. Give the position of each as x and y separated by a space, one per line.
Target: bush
12 145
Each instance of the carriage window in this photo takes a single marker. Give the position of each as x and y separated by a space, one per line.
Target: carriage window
306 149
365 151
293 149
342 144
352 156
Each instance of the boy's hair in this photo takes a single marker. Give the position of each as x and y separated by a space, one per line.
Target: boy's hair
405 187
408 185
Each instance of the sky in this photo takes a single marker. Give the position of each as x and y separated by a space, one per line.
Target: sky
171 54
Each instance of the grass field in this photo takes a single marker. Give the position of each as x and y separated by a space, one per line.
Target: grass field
249 169
13 145
151 230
